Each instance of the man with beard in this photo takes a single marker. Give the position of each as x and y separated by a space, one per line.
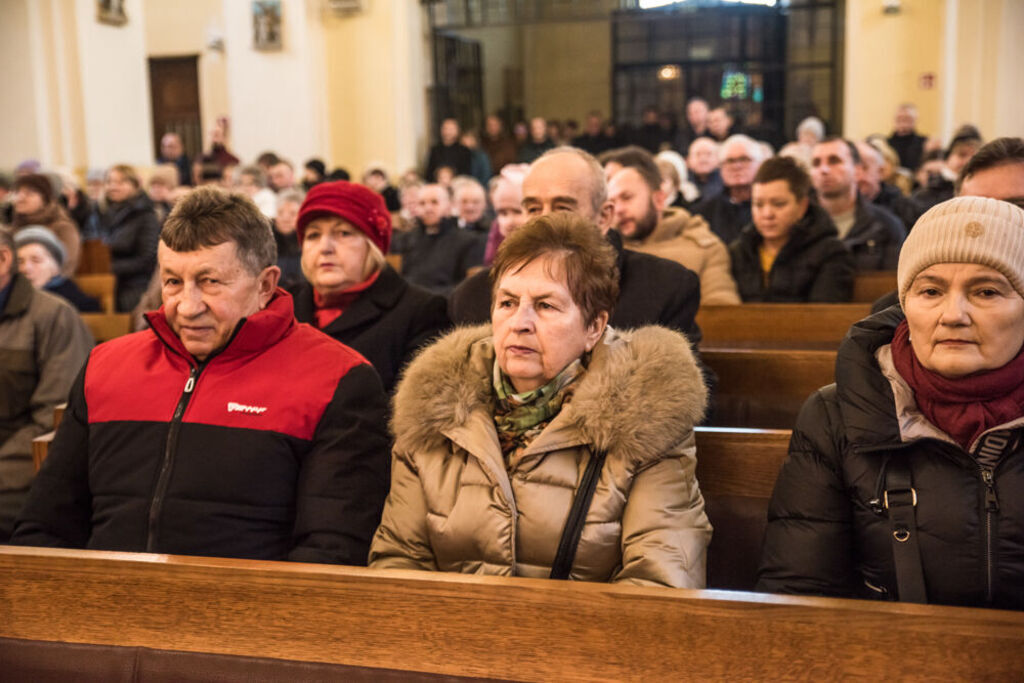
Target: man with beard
880 193
872 234
646 224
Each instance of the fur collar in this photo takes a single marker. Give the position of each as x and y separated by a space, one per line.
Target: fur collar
640 396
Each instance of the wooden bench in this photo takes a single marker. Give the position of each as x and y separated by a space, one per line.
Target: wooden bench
870 286
797 326
737 469
100 286
765 387
94 258
401 624
107 326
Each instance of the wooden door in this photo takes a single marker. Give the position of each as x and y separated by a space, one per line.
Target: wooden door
174 86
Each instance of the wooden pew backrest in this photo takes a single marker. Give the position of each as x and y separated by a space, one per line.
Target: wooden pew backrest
107 326
778 325
872 285
511 628
95 258
99 286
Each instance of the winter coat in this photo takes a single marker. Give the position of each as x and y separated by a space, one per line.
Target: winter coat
725 217
438 262
131 230
687 240
652 291
827 533
812 266
455 506
55 217
906 209
273 448
388 323
875 238
43 344
68 289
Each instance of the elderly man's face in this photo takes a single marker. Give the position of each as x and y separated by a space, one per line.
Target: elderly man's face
739 165
905 120
870 181
471 202
559 183
208 291
538 129
171 147
508 205
434 204
703 156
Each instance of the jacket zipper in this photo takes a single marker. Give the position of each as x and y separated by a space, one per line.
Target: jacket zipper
991 509
163 481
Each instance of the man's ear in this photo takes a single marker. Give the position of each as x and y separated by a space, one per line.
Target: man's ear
268 280
604 216
659 198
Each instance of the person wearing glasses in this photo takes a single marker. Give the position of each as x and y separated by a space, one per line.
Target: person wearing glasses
729 211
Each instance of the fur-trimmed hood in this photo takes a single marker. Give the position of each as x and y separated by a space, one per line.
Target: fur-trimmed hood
642 392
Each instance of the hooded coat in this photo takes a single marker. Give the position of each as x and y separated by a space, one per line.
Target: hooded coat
455 506
812 266
827 536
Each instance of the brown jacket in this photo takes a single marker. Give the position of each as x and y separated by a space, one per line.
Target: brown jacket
43 345
455 506
54 217
687 239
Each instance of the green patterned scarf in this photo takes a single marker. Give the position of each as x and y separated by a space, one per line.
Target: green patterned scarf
519 418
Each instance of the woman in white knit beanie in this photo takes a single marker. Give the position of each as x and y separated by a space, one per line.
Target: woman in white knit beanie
905 479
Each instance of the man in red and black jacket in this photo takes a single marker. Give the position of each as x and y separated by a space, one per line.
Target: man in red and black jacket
227 428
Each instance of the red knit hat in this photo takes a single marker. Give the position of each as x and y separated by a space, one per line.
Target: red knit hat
359 205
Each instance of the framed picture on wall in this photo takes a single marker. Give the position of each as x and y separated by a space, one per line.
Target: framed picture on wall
111 12
266 24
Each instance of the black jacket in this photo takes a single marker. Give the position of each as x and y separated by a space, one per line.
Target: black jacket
273 448
909 148
827 536
875 238
455 156
132 231
440 261
652 291
67 289
726 217
812 266
906 209
388 323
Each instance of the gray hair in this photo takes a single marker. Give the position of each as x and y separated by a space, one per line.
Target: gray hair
812 124
754 149
290 195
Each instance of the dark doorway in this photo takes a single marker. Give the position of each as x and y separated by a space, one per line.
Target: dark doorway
174 87
458 90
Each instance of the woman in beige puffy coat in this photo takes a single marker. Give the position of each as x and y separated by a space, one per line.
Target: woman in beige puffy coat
494 430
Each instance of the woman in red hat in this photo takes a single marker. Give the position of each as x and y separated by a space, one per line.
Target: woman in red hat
352 294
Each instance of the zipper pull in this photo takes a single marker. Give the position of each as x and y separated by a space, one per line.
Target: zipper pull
191 383
991 500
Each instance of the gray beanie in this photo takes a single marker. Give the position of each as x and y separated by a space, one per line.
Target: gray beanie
979 230
37 234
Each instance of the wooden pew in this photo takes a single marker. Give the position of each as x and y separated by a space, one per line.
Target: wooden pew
58 414
797 326
41 447
395 261
99 286
737 469
404 624
765 387
107 326
95 258
870 286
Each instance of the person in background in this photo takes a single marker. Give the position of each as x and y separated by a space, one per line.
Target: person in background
880 193
219 135
720 124
376 178
729 211
448 152
172 151
350 292
702 161
675 179
495 425
35 203
40 257
965 144
935 182
538 142
593 139
480 168
908 143
163 182
77 204
497 143
791 251
267 160
130 228
313 171
252 182
997 171
506 190
282 176
289 252
470 208
43 343
905 478
696 124
281 453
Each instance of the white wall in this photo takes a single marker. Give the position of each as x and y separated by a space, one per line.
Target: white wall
19 134
115 87
277 99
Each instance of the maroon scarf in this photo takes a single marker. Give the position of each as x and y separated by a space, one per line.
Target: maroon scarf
330 307
963 407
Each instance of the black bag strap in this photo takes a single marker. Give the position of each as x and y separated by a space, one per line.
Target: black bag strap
900 500
574 523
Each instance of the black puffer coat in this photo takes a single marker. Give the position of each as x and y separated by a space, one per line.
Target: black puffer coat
812 266
132 231
825 535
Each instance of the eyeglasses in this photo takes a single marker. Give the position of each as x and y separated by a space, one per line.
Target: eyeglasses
736 161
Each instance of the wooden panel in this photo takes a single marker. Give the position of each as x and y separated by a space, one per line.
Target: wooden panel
870 286
525 629
107 326
740 462
395 261
765 388
789 325
40 447
58 414
100 286
95 258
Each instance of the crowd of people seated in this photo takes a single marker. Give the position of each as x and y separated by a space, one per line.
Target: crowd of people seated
493 366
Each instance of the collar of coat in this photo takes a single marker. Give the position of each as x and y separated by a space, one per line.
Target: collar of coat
641 395
677 223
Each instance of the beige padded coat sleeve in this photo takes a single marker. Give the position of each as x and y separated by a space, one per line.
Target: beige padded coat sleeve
717 286
665 531
402 541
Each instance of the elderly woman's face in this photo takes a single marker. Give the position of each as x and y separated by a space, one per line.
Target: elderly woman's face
964 318
37 264
118 187
538 328
334 254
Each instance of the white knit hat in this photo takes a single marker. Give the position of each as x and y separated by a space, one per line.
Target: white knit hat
978 230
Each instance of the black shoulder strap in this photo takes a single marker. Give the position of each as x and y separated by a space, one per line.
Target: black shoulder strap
900 500
574 523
